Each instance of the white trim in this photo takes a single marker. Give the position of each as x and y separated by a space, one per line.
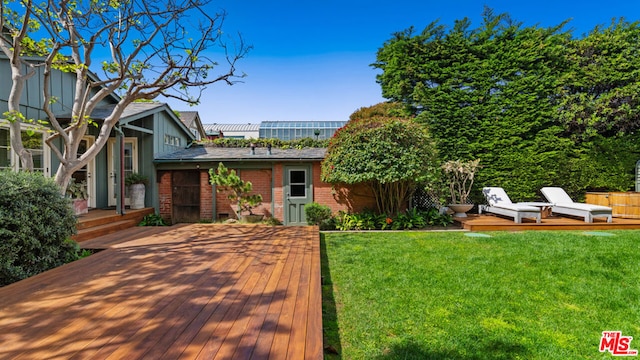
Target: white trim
112 173
46 152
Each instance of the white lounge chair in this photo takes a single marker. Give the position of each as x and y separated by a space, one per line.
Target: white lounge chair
562 204
500 204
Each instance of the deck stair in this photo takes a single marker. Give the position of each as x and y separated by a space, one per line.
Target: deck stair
102 222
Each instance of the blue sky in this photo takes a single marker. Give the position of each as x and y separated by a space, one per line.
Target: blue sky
311 58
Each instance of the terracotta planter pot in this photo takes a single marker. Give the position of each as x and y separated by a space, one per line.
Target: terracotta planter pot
80 206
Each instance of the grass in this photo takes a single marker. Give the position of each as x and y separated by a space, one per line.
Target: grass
445 295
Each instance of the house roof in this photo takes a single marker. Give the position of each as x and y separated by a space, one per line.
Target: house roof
188 117
231 127
211 153
133 109
133 112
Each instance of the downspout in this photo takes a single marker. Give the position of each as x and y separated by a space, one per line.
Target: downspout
120 204
213 202
273 192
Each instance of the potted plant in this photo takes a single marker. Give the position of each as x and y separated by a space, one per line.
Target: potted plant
239 192
460 175
136 183
77 191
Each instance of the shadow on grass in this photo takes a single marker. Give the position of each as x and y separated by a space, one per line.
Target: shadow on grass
330 328
495 350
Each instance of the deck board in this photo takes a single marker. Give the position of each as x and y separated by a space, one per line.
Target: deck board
196 291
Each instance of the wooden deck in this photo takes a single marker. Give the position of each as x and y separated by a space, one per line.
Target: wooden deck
199 291
487 222
99 222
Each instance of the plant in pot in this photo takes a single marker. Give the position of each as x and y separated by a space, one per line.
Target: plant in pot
77 191
239 192
460 175
137 188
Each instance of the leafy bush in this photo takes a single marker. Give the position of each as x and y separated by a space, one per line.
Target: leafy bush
36 222
272 221
410 219
316 213
152 220
388 154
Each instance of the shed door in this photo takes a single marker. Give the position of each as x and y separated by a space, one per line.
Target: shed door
186 196
297 193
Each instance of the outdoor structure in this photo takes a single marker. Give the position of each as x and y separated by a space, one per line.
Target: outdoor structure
145 130
234 131
291 130
287 179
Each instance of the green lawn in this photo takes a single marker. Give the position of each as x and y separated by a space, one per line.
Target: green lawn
446 295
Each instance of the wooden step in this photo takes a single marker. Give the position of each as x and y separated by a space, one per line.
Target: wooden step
102 217
95 231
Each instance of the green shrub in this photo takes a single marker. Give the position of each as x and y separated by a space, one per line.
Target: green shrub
316 213
410 219
272 221
36 222
152 220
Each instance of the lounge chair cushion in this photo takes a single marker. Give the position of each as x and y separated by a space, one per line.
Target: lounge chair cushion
499 203
562 204
496 196
556 195
582 206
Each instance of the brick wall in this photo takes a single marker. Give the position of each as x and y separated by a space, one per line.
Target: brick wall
278 192
165 194
261 182
206 196
346 198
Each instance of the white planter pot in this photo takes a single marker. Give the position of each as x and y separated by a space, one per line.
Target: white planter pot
136 196
460 210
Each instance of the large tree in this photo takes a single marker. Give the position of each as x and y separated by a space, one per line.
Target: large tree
383 150
516 97
143 48
16 44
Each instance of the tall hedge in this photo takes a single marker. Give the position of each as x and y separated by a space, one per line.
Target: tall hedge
538 106
36 223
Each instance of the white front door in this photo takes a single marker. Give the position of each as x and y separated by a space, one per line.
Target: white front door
130 165
87 172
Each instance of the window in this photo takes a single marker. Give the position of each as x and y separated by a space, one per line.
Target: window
5 149
297 183
33 141
171 140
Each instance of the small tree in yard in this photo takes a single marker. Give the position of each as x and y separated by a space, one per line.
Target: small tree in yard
461 176
239 191
381 149
144 48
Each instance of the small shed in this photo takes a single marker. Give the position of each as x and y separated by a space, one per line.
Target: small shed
287 179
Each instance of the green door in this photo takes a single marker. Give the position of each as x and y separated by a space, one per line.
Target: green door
297 193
